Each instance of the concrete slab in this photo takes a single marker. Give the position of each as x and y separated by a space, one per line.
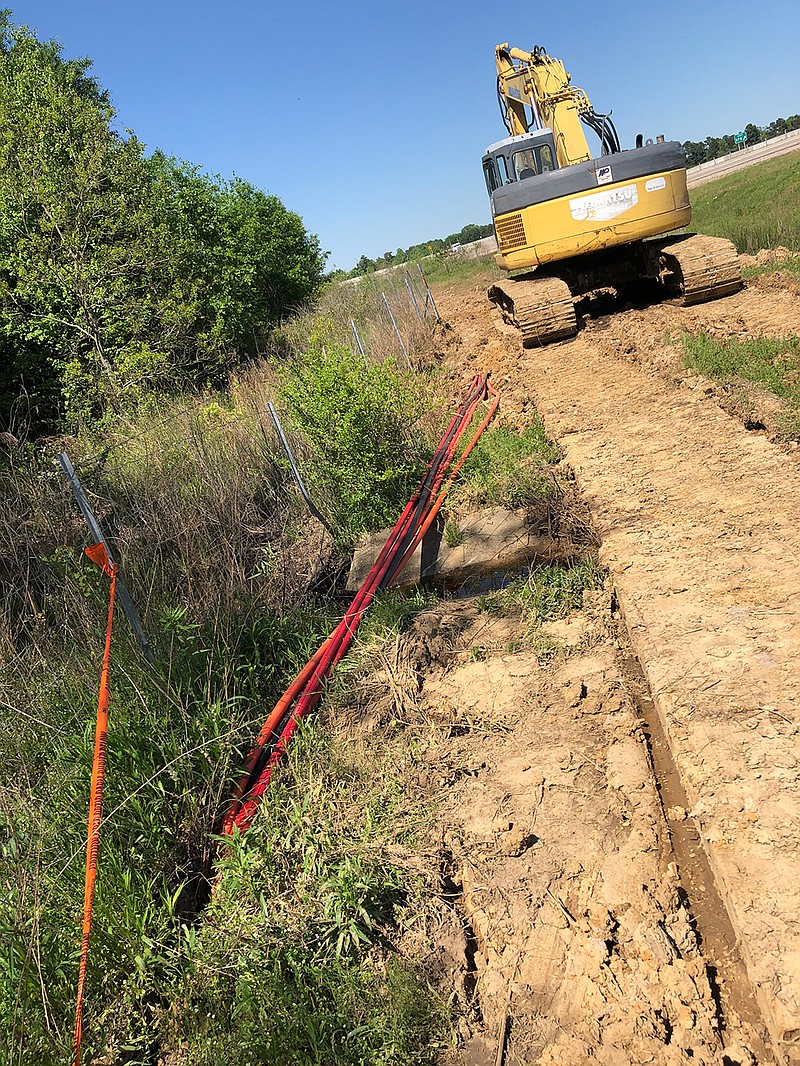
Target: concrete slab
490 540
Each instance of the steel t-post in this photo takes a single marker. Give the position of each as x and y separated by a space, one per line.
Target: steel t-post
99 538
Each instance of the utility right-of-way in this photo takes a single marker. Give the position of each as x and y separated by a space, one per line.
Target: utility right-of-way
699 521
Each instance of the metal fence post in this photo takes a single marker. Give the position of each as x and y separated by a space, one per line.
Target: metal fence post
358 340
397 331
298 480
429 294
94 528
413 297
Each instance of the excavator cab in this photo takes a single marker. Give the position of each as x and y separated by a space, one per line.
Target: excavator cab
518 158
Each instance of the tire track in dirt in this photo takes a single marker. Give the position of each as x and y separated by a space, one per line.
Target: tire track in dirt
700 526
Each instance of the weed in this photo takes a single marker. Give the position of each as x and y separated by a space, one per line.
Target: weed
507 469
392 611
549 591
789 426
545 648
790 265
452 534
286 968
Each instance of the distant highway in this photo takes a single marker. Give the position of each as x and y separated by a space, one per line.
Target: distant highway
744 157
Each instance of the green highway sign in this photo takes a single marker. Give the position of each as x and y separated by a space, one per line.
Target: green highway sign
739 138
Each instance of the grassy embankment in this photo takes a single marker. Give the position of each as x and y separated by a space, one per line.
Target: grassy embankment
757 208
229 574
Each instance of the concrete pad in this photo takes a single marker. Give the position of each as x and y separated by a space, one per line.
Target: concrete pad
492 539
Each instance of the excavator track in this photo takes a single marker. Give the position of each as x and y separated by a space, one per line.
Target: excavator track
541 308
703 268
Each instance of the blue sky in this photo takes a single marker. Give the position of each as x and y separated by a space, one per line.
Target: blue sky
370 119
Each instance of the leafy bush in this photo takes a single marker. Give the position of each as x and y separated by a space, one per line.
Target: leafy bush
357 419
120 274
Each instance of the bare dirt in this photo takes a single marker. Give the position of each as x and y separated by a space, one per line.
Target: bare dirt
620 827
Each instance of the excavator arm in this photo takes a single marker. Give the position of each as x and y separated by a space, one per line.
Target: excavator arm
536 80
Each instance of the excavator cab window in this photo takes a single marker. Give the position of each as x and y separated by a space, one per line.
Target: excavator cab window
532 161
502 167
546 160
524 164
490 174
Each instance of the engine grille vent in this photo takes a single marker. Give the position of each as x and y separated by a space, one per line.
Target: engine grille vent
510 232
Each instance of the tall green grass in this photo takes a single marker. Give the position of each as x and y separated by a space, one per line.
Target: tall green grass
507 468
183 526
286 967
758 207
222 561
449 266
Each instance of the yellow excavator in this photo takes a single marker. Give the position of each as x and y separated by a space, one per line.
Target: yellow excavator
577 224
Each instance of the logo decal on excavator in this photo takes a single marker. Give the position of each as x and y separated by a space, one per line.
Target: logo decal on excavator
602 206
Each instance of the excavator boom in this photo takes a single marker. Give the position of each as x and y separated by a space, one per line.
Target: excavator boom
537 80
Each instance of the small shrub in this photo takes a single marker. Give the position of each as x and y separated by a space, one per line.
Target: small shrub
358 420
452 534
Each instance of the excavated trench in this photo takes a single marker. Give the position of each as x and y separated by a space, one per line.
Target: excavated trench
726 970
734 1027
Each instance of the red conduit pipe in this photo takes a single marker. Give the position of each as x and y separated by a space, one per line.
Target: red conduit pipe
309 681
307 688
324 661
477 386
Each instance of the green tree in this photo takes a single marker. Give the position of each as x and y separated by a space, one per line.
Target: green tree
695 152
777 127
364 265
118 273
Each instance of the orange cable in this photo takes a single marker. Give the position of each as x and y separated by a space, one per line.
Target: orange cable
95 800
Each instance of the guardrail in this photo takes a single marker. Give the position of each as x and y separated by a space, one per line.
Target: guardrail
743 157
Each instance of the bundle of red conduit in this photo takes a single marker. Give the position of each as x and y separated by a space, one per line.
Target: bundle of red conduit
305 691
